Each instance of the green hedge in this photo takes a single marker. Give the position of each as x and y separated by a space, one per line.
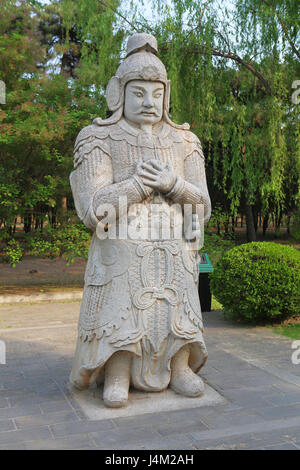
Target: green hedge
258 282
68 241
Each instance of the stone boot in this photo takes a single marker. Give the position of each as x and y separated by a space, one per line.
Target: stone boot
183 380
117 380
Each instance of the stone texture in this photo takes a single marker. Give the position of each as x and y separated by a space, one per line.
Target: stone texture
27 422
140 313
141 403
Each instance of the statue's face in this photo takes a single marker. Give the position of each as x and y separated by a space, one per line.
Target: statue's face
144 102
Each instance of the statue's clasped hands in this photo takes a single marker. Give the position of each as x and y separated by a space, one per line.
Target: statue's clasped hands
157 175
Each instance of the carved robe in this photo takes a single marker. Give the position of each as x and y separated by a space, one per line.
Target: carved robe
140 295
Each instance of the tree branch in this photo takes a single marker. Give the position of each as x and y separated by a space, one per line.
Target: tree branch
120 15
200 21
283 28
231 55
247 65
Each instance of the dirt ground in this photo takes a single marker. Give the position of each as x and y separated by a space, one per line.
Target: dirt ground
41 275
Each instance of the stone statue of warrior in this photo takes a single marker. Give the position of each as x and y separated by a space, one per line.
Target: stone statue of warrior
140 320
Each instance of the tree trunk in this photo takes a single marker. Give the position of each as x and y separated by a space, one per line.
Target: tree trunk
251 233
226 226
265 224
64 204
27 223
278 218
255 220
288 225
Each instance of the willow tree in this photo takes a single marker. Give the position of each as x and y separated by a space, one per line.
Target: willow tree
232 76
232 69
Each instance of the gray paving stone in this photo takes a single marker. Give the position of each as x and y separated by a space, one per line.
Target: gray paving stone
66 429
34 398
174 442
75 442
13 437
13 393
23 410
244 442
44 389
262 427
280 412
123 437
6 425
227 408
12 447
138 421
279 434
284 399
287 387
3 403
186 415
128 446
235 418
46 418
184 427
286 446
249 402
49 406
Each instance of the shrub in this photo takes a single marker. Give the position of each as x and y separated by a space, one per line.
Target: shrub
13 252
69 241
258 282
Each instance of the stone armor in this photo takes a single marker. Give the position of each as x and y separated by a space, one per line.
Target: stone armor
140 295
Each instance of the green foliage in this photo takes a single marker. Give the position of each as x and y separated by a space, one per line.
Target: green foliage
46 106
216 245
69 241
231 71
258 282
13 252
295 227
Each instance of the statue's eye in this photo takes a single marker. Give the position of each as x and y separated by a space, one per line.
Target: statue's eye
157 95
139 94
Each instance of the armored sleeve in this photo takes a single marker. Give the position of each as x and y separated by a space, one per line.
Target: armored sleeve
192 189
92 180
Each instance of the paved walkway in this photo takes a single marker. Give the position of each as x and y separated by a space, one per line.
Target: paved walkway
250 367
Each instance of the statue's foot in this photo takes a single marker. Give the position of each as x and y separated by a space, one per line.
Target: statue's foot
115 394
183 379
187 383
117 380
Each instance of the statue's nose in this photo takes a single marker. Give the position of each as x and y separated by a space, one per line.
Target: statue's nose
148 102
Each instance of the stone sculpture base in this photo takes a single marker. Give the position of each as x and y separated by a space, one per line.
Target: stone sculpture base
139 403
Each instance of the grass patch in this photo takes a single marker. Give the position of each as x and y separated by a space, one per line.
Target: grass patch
215 305
292 331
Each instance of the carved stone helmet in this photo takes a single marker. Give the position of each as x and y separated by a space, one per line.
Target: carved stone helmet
141 63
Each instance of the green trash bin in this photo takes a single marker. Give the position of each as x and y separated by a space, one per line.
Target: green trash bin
205 267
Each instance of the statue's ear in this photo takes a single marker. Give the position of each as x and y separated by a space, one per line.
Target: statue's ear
114 94
167 96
